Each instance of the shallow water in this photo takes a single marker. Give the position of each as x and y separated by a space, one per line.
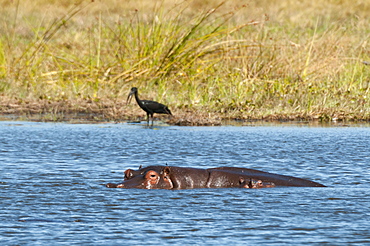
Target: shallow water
52 179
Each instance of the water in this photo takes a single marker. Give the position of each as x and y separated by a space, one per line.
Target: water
52 179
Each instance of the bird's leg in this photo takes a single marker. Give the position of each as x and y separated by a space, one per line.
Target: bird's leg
147 118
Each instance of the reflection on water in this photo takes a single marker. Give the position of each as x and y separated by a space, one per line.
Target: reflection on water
53 175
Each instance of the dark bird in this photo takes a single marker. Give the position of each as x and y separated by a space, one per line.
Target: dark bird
150 107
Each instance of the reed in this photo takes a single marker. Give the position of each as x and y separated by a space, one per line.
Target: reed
268 59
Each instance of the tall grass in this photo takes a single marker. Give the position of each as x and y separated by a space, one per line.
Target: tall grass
269 59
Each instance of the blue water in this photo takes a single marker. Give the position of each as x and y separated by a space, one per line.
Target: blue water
52 178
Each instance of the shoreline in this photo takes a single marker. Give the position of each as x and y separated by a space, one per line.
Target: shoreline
91 112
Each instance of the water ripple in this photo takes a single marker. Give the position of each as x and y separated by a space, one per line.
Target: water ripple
53 175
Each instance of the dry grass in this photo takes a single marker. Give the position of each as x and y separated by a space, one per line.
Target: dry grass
208 60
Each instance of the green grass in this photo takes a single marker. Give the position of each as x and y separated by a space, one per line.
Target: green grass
271 59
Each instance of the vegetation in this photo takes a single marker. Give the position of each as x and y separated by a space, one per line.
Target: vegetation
207 60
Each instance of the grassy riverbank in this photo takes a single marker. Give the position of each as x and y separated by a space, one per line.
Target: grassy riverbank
207 60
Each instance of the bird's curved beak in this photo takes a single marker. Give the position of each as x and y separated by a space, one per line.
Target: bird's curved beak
129 98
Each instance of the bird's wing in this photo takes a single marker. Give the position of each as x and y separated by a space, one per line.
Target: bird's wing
152 104
155 107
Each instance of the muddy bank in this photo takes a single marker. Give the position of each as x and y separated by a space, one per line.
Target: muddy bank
90 111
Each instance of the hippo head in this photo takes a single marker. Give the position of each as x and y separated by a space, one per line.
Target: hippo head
149 179
129 173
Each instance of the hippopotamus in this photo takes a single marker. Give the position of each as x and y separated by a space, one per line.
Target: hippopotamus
170 177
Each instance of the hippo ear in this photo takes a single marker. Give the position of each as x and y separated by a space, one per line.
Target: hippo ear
166 170
128 174
140 167
241 180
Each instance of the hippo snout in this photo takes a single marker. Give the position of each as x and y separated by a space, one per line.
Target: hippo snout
111 185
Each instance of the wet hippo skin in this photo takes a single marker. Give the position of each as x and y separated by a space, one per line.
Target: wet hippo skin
169 177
